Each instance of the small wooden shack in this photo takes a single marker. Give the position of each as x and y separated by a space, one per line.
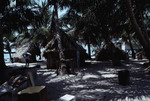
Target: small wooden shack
70 49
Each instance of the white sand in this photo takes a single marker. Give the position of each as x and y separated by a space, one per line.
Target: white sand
96 82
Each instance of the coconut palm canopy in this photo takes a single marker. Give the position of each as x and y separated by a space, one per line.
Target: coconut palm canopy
68 43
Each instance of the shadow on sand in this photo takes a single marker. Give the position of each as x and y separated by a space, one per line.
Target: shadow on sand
98 82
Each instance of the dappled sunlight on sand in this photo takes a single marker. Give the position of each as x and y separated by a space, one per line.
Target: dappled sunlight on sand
141 98
89 76
97 81
77 86
109 75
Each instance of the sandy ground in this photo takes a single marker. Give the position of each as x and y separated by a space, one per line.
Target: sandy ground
97 81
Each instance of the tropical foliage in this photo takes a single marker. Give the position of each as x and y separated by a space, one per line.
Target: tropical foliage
93 23
15 18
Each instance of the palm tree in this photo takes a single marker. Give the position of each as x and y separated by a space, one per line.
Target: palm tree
44 31
14 18
55 28
143 37
3 4
63 66
7 46
1 49
98 20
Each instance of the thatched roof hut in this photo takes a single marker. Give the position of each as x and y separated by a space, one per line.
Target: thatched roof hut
26 46
70 47
107 53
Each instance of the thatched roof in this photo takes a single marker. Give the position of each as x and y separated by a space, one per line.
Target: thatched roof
20 50
109 51
26 46
68 43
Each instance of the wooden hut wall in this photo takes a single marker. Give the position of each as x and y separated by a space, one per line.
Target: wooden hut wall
82 57
53 58
69 54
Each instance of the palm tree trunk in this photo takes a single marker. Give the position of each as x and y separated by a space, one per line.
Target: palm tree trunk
89 49
141 20
11 59
131 46
2 63
63 67
8 48
143 39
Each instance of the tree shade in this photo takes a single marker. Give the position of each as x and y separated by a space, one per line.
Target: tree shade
13 18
